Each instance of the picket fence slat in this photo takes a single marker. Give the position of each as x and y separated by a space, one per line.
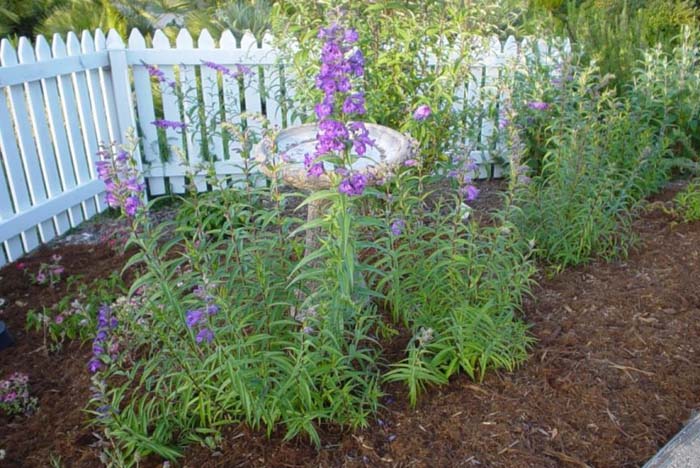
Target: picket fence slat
146 115
13 246
16 180
107 87
69 104
85 116
40 123
58 129
190 91
62 101
171 112
25 139
211 99
232 101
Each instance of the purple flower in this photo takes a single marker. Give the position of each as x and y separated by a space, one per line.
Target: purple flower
351 36
158 74
243 70
204 335
94 365
503 123
122 156
131 205
162 123
103 168
353 185
538 105
41 278
422 112
356 63
354 104
193 317
323 110
111 200
410 163
134 185
397 227
212 309
316 170
240 69
470 192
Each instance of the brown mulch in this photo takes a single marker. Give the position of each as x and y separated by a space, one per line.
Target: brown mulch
614 374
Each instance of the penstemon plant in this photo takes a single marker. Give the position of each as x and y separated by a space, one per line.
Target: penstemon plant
205 337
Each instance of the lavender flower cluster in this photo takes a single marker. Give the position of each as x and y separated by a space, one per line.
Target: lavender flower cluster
463 174
121 178
14 395
340 63
239 72
159 75
196 319
101 346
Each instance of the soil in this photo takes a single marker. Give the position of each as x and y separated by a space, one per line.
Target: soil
613 376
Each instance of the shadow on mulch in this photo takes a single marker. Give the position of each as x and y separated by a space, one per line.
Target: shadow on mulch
614 374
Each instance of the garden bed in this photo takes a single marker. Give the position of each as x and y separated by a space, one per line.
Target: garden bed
612 377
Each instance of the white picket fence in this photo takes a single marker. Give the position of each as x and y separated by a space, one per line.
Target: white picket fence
62 101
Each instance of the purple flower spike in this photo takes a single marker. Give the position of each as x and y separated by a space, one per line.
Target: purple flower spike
316 170
470 192
193 317
538 105
397 227
353 185
204 335
161 123
410 163
422 113
94 365
131 205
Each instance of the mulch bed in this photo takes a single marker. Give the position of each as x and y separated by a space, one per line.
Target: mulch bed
613 376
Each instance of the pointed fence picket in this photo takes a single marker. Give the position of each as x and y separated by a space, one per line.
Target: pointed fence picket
62 101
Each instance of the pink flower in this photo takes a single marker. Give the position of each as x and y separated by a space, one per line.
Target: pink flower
41 278
422 112
58 319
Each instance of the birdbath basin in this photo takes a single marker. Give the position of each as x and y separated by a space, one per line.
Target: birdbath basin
391 148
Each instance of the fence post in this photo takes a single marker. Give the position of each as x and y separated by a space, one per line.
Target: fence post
121 88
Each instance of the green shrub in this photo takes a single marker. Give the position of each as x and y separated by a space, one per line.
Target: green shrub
688 202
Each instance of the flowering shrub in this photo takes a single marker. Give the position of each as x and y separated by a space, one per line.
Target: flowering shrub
595 153
210 335
15 397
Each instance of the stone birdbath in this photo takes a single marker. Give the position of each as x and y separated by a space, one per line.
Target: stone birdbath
391 148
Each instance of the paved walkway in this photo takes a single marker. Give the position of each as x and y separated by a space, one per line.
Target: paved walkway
683 451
